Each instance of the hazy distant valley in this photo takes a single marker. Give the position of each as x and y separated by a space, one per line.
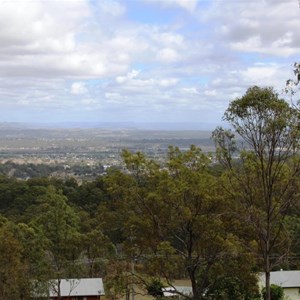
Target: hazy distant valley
28 152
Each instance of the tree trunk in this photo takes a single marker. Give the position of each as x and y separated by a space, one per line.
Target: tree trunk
268 274
268 289
58 289
195 287
127 294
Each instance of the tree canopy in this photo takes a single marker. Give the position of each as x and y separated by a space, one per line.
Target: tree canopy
265 178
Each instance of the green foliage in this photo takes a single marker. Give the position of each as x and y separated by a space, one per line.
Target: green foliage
225 145
118 280
229 288
96 247
264 121
277 292
14 279
266 176
88 195
155 288
233 278
292 225
175 219
59 224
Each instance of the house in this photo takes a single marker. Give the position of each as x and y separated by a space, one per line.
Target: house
76 289
288 280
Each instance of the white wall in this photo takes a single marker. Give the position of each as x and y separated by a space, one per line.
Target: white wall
291 294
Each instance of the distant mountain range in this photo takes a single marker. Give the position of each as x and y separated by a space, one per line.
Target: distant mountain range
112 125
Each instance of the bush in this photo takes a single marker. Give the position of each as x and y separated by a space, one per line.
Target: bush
276 292
155 288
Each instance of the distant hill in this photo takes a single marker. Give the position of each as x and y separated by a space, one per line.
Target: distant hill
112 125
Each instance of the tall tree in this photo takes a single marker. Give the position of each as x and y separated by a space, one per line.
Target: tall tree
59 223
14 279
264 178
34 244
96 247
177 222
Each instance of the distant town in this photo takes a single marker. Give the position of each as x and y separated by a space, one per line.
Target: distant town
27 151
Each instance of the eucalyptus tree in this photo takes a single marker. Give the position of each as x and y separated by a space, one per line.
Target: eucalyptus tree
264 176
59 224
14 267
176 222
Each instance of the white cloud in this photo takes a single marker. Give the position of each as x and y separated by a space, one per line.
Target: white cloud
168 82
129 76
137 82
259 74
262 26
125 62
62 38
211 93
279 47
189 5
111 7
78 88
190 90
169 38
112 95
168 55
40 26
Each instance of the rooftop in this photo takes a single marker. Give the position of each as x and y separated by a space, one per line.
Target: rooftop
78 287
285 279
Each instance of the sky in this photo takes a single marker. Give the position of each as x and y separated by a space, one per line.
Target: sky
142 61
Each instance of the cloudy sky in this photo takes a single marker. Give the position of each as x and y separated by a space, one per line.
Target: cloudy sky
140 60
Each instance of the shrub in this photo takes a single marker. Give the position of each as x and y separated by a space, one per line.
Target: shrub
276 292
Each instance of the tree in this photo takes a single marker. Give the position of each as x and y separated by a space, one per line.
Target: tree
176 221
97 249
234 279
14 280
59 224
88 195
34 244
264 179
117 280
